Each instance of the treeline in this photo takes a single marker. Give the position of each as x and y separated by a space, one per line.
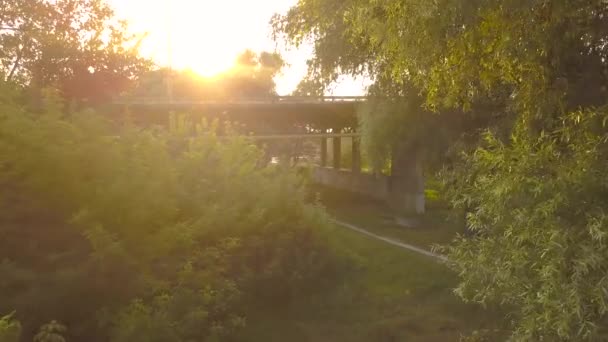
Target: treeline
251 76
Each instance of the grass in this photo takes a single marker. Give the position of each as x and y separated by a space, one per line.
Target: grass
389 295
435 227
385 293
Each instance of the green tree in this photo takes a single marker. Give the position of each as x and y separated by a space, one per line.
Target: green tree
532 75
538 211
124 233
76 46
253 75
458 52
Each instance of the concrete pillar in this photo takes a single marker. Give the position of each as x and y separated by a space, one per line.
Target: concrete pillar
356 151
323 152
337 147
407 181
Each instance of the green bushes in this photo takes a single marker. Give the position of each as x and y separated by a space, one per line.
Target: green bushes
139 235
540 224
10 330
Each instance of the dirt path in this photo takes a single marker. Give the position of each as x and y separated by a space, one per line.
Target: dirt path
393 242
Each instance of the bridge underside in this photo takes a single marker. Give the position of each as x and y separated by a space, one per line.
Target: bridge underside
277 115
285 123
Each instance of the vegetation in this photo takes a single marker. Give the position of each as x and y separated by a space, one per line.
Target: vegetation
436 227
10 330
387 294
252 76
521 87
166 234
540 206
176 234
118 232
77 47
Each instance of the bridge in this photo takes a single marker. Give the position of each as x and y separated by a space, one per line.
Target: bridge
323 119
246 101
271 115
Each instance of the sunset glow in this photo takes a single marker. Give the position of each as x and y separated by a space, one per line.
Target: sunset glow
207 35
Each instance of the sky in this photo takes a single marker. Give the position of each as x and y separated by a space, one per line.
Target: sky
207 35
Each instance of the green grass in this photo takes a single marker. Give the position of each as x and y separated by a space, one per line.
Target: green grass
389 295
384 293
437 226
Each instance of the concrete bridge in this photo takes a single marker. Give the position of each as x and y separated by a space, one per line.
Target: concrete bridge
322 119
245 101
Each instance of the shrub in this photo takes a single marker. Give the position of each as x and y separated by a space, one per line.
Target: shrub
10 330
538 212
123 233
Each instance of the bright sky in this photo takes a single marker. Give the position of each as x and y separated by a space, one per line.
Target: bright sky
207 35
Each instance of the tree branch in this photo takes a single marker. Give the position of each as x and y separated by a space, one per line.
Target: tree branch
16 63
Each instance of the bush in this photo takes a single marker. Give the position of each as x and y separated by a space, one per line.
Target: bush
538 209
122 233
10 330
51 332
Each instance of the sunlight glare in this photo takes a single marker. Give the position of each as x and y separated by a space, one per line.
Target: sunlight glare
196 33
206 36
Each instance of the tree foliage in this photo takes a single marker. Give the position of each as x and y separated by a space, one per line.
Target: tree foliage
130 234
539 204
390 126
76 46
459 52
10 330
526 83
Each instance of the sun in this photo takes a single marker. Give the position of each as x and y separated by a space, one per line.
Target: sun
206 65
203 36
202 39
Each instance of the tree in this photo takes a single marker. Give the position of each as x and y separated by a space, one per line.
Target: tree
527 80
76 46
456 51
252 76
125 233
537 207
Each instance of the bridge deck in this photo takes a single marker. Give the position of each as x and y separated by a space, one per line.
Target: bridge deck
303 136
246 102
263 115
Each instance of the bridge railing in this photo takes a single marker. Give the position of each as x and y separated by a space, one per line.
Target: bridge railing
242 100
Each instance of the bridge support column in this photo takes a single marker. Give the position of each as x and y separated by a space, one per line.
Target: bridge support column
356 151
407 181
323 152
337 152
